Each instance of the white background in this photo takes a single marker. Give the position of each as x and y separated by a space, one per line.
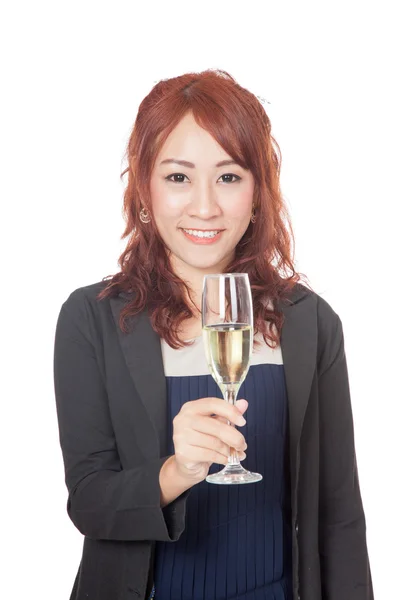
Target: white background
73 75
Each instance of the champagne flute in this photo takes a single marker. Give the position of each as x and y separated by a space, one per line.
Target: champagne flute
227 321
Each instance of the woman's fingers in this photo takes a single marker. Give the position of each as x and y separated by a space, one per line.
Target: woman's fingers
216 427
201 438
204 448
214 406
194 455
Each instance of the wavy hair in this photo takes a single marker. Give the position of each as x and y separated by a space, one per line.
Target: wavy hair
238 122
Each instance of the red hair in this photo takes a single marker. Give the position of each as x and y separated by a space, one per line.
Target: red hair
239 123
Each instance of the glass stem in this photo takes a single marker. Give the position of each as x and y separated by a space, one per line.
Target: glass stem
230 394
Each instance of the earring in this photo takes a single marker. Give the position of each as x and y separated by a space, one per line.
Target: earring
144 216
253 217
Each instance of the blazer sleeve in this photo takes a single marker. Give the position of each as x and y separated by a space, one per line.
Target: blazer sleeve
105 501
345 568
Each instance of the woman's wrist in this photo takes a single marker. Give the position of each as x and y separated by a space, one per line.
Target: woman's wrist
172 482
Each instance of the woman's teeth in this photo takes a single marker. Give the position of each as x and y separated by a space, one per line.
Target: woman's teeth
202 234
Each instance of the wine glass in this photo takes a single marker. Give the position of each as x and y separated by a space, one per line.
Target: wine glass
227 321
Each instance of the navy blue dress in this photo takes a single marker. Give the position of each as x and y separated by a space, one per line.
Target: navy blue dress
237 539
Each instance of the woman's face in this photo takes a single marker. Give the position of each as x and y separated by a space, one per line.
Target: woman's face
201 209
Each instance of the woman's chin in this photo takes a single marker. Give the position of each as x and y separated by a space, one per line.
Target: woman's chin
199 261
208 266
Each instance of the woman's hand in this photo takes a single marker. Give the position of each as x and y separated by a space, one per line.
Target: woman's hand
201 439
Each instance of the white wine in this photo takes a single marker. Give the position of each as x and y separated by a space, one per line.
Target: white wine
228 349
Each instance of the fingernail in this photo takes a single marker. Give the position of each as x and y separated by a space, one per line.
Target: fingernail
241 421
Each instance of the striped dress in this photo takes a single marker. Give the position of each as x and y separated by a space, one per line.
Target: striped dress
237 539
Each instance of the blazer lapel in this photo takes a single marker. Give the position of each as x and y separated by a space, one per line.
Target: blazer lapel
142 351
299 353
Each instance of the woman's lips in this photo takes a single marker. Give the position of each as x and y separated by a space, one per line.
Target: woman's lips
202 240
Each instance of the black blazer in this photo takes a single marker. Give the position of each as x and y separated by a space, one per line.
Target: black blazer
110 393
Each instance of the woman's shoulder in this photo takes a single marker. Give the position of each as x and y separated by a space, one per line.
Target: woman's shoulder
84 315
309 299
308 311
84 297
311 314
90 291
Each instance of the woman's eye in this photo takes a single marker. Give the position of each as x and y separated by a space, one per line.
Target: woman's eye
231 175
169 178
175 175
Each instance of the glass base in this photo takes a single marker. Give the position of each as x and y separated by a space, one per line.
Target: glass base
233 474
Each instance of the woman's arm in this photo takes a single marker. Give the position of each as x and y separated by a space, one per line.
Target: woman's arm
105 501
345 570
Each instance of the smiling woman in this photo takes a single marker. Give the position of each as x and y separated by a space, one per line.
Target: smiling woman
141 420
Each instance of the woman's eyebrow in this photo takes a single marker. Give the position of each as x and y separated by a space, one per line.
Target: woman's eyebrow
190 165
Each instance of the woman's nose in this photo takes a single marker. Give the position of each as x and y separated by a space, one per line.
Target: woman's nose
204 205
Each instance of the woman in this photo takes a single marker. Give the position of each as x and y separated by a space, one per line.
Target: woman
141 421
